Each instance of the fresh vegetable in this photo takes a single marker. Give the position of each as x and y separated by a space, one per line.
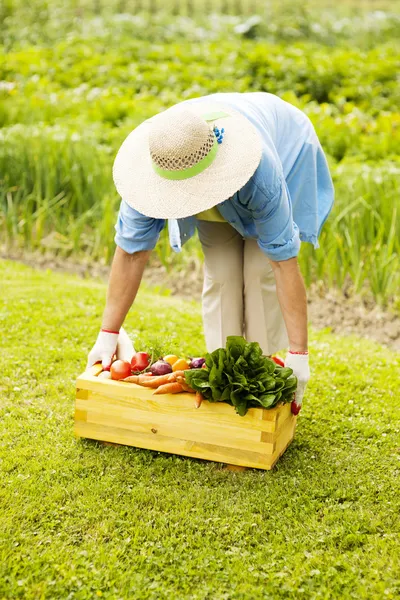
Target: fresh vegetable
154 381
198 399
197 363
157 380
169 388
120 369
278 360
132 378
240 375
180 365
104 375
177 374
161 368
170 358
186 388
145 380
140 361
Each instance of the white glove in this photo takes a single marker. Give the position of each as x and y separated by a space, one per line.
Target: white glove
108 344
301 368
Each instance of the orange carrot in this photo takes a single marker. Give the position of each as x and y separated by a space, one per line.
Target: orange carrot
131 379
185 386
151 382
169 388
198 400
178 374
156 381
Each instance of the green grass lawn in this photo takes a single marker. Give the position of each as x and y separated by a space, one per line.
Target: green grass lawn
81 520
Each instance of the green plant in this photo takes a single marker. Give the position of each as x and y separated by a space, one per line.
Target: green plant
67 103
240 375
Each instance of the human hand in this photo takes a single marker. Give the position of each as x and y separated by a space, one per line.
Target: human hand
107 344
301 369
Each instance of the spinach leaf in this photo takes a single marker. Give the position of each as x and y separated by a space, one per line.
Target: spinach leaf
267 401
235 346
284 372
240 375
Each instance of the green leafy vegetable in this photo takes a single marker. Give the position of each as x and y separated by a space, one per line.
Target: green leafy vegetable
241 376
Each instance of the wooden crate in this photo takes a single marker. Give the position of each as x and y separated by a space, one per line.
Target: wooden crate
125 413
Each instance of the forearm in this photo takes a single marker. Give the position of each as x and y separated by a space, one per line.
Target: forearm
125 277
293 301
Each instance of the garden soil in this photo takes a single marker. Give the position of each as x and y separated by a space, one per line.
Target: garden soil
328 309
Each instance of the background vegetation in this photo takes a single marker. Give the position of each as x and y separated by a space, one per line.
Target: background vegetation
76 77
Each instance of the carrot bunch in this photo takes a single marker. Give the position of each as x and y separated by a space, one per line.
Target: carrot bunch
171 383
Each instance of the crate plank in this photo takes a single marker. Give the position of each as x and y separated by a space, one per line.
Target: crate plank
178 427
281 421
191 418
173 445
143 399
284 439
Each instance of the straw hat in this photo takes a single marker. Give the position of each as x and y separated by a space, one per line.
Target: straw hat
186 160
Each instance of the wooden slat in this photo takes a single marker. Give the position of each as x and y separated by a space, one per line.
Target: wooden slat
173 445
80 415
283 414
189 418
281 422
176 426
143 399
270 414
284 439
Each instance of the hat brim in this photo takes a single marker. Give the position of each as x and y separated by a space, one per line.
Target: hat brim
154 196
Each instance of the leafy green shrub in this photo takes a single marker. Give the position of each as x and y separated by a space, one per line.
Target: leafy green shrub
66 104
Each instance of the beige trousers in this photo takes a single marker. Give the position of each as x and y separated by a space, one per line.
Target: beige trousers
239 291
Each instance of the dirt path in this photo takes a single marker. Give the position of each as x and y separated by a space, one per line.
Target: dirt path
326 310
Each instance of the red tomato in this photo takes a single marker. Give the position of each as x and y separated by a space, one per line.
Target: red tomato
278 361
120 369
140 361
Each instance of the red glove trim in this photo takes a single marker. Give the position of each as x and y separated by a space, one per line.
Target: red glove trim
295 408
109 331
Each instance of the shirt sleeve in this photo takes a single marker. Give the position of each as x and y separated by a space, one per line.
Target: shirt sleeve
134 231
278 234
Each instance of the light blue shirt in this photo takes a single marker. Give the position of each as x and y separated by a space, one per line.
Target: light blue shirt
287 199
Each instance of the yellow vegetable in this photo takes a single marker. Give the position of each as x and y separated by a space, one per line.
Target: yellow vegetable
180 365
170 358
